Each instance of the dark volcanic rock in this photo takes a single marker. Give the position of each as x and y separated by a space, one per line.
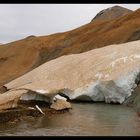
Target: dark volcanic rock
134 99
111 13
135 36
3 89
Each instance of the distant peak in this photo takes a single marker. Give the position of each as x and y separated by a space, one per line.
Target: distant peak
116 7
112 13
28 38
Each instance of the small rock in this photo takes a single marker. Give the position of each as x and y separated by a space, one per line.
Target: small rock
60 104
59 97
3 89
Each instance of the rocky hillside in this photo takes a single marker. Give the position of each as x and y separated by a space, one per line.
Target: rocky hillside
107 74
112 13
20 57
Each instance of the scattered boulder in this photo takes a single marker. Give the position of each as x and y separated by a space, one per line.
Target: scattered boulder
60 104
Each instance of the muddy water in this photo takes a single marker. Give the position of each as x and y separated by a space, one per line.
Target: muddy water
92 119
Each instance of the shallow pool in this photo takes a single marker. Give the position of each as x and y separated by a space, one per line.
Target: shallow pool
90 119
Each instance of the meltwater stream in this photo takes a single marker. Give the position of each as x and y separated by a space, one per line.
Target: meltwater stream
90 119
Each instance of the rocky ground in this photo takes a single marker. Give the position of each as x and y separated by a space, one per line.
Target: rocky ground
26 109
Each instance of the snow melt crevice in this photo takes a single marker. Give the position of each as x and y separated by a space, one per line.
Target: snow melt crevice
37 96
124 59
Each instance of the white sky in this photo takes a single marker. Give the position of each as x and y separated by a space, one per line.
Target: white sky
21 20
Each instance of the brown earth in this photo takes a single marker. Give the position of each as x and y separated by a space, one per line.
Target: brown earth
20 57
22 112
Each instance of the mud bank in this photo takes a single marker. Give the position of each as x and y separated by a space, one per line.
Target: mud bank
25 109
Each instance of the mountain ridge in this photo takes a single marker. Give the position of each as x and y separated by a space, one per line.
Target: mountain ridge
111 13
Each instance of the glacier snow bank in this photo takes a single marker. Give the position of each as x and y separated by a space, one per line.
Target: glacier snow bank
115 91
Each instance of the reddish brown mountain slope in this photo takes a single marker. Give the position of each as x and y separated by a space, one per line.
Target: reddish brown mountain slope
21 56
